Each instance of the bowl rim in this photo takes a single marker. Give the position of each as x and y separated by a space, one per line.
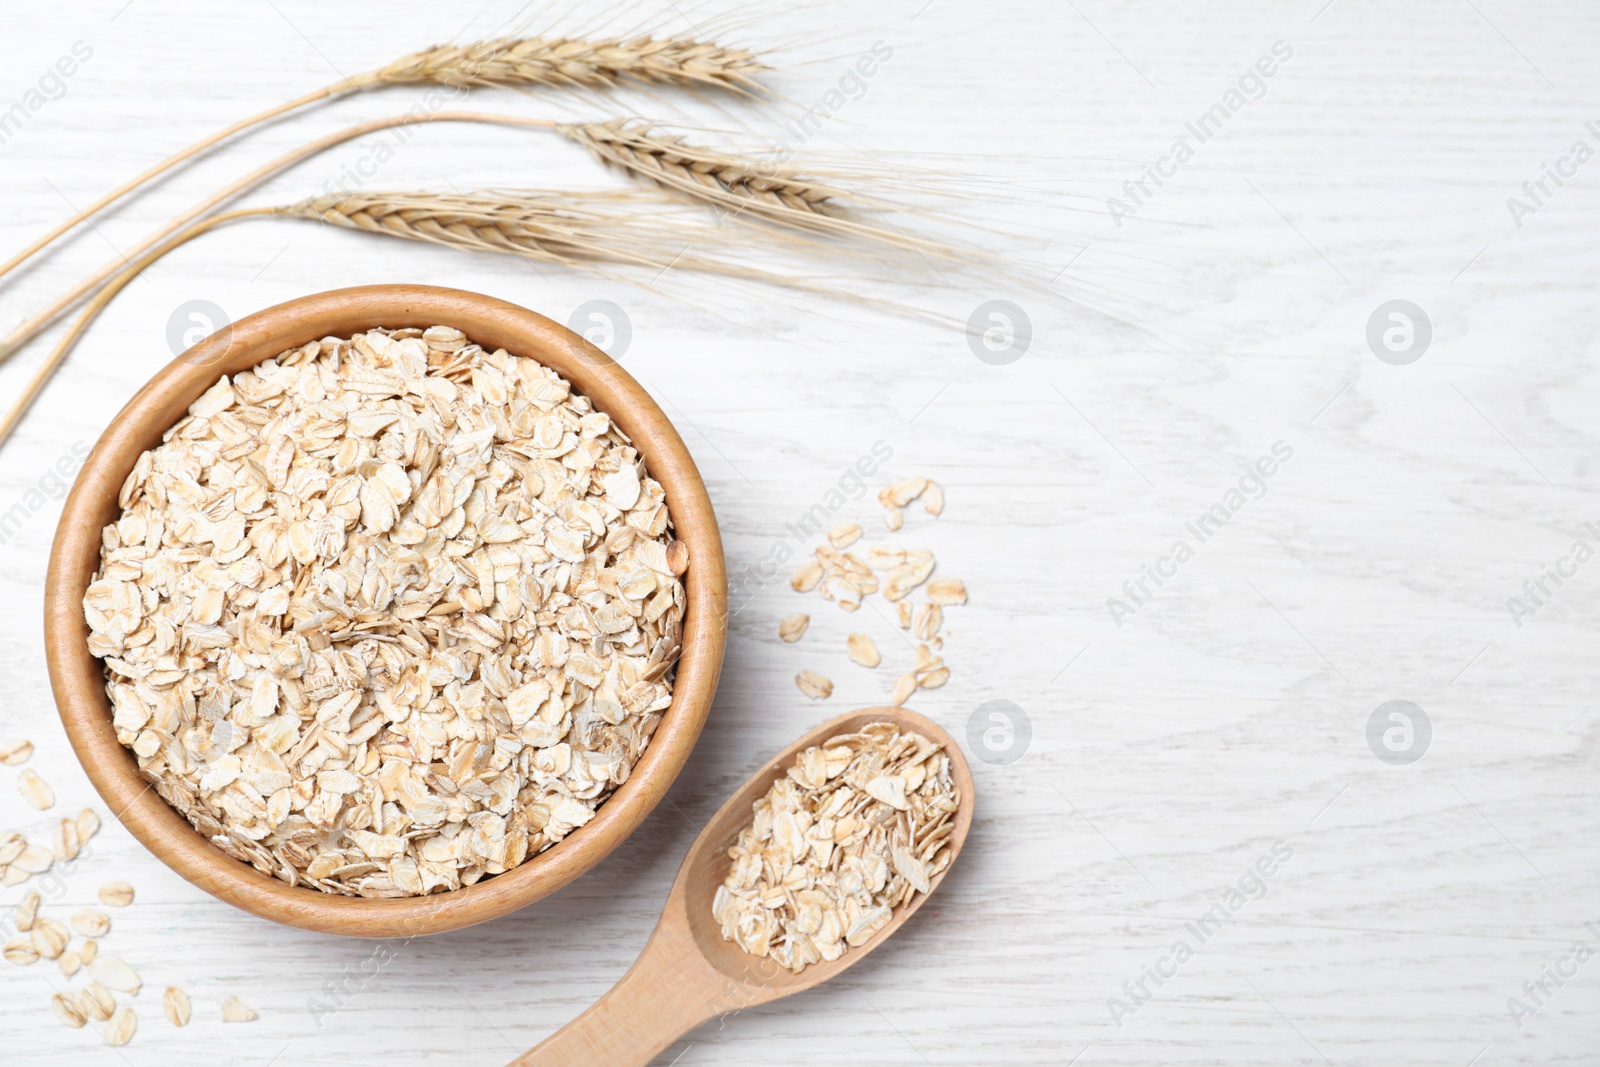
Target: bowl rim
77 679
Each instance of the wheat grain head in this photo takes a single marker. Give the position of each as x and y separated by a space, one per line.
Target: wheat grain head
567 63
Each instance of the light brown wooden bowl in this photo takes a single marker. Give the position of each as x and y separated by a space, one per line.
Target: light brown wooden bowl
79 684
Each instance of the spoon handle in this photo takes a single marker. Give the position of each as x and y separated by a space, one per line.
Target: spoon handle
667 992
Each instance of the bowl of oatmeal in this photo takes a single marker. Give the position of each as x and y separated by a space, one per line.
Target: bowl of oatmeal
386 611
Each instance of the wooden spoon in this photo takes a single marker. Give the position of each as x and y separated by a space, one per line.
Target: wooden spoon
687 974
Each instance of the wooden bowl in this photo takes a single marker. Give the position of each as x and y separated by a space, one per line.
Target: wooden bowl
79 684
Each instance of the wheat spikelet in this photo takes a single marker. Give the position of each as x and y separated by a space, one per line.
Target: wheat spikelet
737 186
703 174
569 228
570 63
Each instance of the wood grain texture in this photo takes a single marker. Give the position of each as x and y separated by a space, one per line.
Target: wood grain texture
1168 754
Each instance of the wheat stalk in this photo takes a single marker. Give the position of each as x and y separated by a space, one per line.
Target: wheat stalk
732 185
38 322
552 62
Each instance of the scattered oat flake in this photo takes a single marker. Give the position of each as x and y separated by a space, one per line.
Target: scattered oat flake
844 535
13 753
806 577
120 1030
97 1001
35 790
112 973
50 938
27 909
235 1012
793 627
64 839
904 686
933 499
893 519
91 923
175 1006
11 846
902 493
35 859
862 650
67 1010
116 894
947 591
88 824
70 962
935 678
21 951
89 951
814 685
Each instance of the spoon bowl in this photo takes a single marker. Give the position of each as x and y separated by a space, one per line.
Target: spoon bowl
687 973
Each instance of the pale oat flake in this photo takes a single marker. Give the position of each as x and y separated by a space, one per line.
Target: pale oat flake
388 615
175 1006
806 577
902 493
14 753
87 824
97 1001
35 859
21 951
793 627
235 1012
116 894
814 685
35 790
27 910
904 686
856 828
862 650
64 839
121 1028
112 973
65 1005
91 923
50 938
947 591
844 535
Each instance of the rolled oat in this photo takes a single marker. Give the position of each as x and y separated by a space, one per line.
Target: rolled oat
388 615
854 829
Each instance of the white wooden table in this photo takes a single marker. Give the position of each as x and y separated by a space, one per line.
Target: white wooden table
1169 753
